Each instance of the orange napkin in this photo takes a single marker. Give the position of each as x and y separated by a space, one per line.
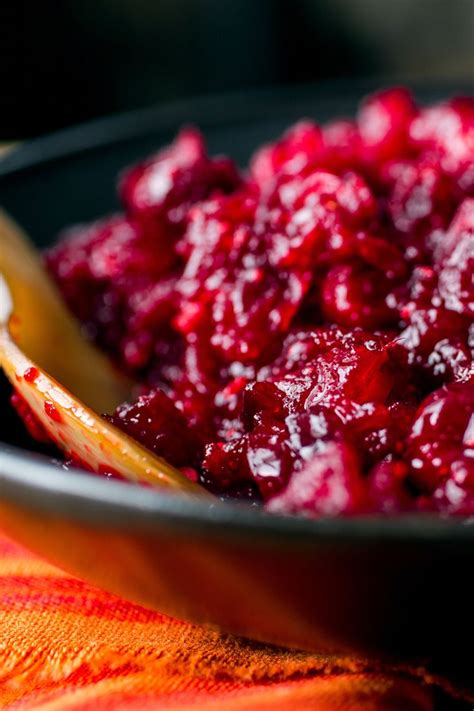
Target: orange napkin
65 646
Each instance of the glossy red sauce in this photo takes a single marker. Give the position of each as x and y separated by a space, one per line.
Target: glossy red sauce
52 412
31 374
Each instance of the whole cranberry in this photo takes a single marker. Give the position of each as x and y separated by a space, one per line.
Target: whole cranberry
262 456
441 442
447 129
330 484
384 121
154 421
355 294
438 343
300 146
164 187
120 282
421 200
343 146
455 496
388 490
455 258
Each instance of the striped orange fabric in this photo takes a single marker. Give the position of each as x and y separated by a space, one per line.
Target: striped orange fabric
66 646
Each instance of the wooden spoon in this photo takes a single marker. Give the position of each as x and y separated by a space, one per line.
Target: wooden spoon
46 358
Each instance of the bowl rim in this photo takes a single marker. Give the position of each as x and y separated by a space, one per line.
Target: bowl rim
34 482
214 110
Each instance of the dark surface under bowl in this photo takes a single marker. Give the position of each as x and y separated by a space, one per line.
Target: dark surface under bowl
400 589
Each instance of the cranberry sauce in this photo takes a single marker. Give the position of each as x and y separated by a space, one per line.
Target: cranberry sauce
303 331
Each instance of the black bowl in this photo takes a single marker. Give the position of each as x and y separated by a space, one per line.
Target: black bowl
399 588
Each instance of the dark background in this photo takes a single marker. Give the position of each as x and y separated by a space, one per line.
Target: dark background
66 61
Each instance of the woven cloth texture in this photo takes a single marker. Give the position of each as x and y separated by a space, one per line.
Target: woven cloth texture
65 645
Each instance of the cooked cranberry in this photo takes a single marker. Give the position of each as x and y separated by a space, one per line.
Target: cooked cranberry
154 421
422 199
263 399
456 494
383 121
268 458
455 257
388 489
165 186
315 217
378 430
448 130
343 146
116 280
229 294
356 295
329 484
320 368
224 464
438 342
441 443
262 456
299 147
